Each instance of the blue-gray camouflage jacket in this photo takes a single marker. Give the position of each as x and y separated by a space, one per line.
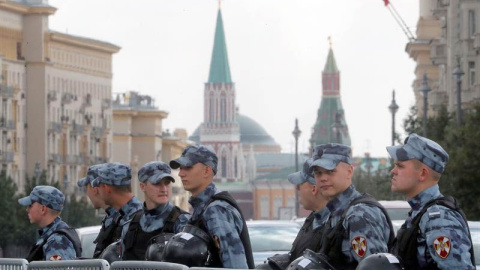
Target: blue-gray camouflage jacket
58 246
224 223
366 227
443 236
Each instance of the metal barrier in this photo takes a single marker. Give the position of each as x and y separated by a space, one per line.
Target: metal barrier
144 265
13 264
95 264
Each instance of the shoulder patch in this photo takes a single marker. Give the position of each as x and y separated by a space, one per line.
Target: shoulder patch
55 257
359 245
442 246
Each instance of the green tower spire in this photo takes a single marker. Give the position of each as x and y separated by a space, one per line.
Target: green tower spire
219 68
331 64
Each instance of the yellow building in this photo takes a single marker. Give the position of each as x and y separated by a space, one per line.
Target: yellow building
138 138
56 96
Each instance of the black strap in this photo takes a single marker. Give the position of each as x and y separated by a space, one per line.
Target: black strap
132 230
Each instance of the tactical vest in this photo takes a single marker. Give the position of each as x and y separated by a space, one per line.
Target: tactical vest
106 236
244 237
332 238
36 252
405 245
136 240
307 238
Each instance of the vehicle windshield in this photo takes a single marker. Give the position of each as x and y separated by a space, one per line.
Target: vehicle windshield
398 213
272 238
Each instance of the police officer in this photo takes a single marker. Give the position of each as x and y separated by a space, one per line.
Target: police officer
310 234
159 215
57 240
357 225
436 234
215 212
114 186
109 231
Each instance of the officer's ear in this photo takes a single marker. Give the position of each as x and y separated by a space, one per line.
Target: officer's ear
315 190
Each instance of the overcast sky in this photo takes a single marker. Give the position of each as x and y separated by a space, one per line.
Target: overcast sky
277 50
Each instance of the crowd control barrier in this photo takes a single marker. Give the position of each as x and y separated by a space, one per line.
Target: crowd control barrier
147 265
94 264
13 264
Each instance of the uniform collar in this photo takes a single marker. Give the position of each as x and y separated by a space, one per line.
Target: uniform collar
46 231
339 203
417 202
130 207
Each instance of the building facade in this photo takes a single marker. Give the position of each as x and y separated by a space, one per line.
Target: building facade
138 138
448 36
56 96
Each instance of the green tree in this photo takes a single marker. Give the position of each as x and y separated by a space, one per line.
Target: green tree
7 208
461 175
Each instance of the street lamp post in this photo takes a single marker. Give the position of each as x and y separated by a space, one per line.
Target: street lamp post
37 172
457 74
296 133
312 142
337 127
65 187
393 110
424 89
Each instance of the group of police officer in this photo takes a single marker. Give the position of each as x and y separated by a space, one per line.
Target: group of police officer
345 230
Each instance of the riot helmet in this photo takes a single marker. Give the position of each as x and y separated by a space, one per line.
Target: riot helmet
383 261
189 247
310 260
112 253
156 245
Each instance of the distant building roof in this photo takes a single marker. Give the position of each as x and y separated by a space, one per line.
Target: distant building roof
250 132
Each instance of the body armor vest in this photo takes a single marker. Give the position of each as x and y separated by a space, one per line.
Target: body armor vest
106 236
332 238
136 240
36 252
307 238
244 237
405 245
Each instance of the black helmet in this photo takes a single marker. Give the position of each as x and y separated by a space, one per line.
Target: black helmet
189 247
112 253
265 266
383 261
156 245
310 260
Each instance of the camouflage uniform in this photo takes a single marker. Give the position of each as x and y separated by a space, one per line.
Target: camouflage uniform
222 221
224 224
106 236
364 229
443 239
57 240
118 174
166 218
362 223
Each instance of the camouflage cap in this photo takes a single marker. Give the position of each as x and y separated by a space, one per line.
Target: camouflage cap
154 172
92 173
44 195
113 174
305 175
194 154
328 155
425 150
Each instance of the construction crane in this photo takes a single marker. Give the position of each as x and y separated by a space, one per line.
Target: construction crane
399 20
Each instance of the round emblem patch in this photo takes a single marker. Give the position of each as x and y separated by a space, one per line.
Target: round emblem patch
359 245
442 246
55 257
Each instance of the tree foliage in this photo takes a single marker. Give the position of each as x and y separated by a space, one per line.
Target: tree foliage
462 143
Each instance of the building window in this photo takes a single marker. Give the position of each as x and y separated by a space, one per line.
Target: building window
236 167
277 203
471 73
264 207
471 23
224 166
